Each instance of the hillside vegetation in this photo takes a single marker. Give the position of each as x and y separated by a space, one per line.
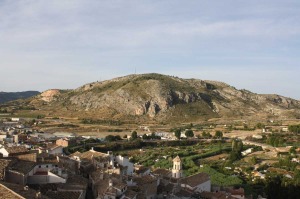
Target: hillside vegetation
161 98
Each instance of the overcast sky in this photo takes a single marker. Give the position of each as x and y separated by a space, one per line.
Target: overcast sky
63 44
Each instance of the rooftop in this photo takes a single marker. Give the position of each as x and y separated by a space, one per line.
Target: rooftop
16 149
23 167
211 195
144 180
196 179
89 154
15 191
64 194
3 164
162 172
177 159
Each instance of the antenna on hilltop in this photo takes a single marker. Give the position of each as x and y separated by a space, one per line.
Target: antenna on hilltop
135 71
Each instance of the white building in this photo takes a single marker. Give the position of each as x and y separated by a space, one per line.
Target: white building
177 168
125 163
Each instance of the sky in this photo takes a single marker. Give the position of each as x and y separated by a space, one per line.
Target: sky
253 45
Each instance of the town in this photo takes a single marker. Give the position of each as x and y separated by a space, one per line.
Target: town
209 161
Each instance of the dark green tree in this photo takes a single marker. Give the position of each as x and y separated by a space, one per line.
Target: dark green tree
134 135
145 137
189 133
177 133
219 134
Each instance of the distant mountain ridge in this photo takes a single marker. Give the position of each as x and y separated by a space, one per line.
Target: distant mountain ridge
10 96
162 98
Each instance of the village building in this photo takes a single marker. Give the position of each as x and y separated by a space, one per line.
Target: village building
6 151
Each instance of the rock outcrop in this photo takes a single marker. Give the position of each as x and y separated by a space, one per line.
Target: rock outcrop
156 95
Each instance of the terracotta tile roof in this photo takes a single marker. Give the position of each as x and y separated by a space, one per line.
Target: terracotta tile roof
239 191
77 179
162 172
95 175
111 191
44 188
129 194
64 194
196 179
101 186
52 146
15 191
6 193
16 149
118 184
184 193
23 167
144 180
177 159
89 154
211 195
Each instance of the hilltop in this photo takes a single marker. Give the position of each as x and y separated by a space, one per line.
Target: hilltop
157 98
10 96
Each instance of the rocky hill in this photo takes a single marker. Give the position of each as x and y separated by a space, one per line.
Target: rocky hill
159 97
10 96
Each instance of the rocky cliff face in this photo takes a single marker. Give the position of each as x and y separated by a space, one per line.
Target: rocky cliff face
156 95
50 95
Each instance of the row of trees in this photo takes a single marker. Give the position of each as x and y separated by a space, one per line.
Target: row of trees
294 128
275 140
188 133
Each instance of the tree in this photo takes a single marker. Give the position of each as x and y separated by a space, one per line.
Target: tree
260 126
293 150
189 133
110 138
206 134
237 147
134 135
117 137
145 137
153 136
219 134
177 133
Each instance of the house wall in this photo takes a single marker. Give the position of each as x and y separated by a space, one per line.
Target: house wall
42 168
4 152
16 178
2 137
62 142
206 186
56 151
45 179
125 162
27 157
